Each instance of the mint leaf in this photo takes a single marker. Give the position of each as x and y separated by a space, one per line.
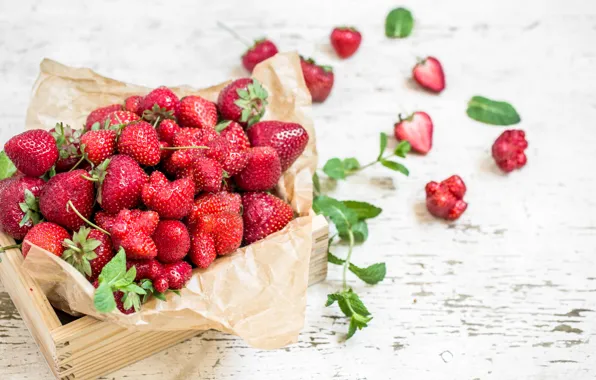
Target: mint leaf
341 301
316 184
334 168
383 145
372 274
395 166
402 149
351 164
492 112
103 299
360 231
114 270
363 210
355 303
334 259
357 322
399 23
340 215
7 168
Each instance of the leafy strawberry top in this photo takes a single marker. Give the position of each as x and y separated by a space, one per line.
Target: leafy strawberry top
31 209
326 68
252 100
80 250
67 140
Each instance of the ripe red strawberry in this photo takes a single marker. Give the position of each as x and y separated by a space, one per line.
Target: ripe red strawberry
172 200
226 228
67 141
135 241
197 112
104 220
88 251
133 104
288 139
202 249
257 53
232 160
263 215
213 203
244 101
445 199
98 115
99 145
120 299
178 274
345 41
319 79
140 141
206 173
19 208
46 235
262 171
508 150
149 269
161 284
429 74
166 130
123 184
417 129
164 153
120 118
161 102
33 152
144 221
172 240
234 134
62 189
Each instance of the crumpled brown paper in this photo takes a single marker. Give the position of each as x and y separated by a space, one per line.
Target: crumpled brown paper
257 293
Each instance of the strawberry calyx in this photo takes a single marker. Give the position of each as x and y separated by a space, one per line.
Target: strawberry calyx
222 125
80 250
325 68
66 140
347 28
157 113
147 285
403 117
252 100
31 209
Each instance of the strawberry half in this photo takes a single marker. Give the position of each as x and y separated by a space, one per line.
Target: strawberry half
417 129
428 73
257 53
345 41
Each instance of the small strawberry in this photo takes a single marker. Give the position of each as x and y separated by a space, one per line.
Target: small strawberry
417 129
104 220
98 115
445 199
166 130
232 160
48 236
202 249
19 208
119 118
319 79
67 141
161 284
345 41
146 269
257 53
226 229
262 171
206 173
288 139
60 192
234 134
140 141
133 104
122 184
33 152
126 234
178 274
160 103
143 221
197 112
263 215
429 74
508 150
213 203
164 152
172 200
194 137
99 145
88 251
172 240
244 101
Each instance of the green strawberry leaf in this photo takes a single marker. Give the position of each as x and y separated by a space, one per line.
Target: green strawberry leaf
402 149
222 125
160 296
7 168
399 23
395 166
103 300
492 112
372 274
363 210
383 145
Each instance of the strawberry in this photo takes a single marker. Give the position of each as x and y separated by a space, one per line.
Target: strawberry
88 251
120 302
172 200
197 112
120 118
508 150
194 137
19 208
164 152
161 284
67 141
99 145
206 173
234 134
98 115
288 139
33 152
178 274
136 242
48 236
150 269
143 221
262 171
166 130
445 199
428 73
212 203
140 141
232 160
257 53
60 192
202 249
226 228
244 101
104 220
160 103
133 104
318 79
417 129
263 215
122 184
345 41
172 240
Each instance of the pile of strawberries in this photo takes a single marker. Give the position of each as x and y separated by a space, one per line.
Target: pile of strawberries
173 183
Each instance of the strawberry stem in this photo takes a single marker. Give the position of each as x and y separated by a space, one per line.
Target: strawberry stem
74 209
233 33
90 178
14 246
78 163
347 262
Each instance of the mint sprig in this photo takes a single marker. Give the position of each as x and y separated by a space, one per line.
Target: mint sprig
7 168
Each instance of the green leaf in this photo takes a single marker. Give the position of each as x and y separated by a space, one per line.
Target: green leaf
316 184
130 275
356 303
160 296
360 231
357 322
492 112
372 274
334 168
341 301
395 166
402 149
363 210
383 145
114 270
334 259
222 125
351 164
399 23
104 298
340 215
7 168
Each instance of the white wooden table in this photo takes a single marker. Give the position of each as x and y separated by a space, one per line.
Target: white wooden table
507 292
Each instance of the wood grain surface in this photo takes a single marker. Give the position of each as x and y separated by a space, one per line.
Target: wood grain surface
506 292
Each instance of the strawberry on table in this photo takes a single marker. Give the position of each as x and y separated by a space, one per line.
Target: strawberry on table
172 240
428 73
122 183
319 79
508 150
445 199
99 115
88 251
197 112
262 171
160 103
263 215
33 152
243 101
46 235
19 205
171 200
261 50
417 129
141 142
288 139
345 41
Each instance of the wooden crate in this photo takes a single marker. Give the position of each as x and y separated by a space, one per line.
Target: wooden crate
77 349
